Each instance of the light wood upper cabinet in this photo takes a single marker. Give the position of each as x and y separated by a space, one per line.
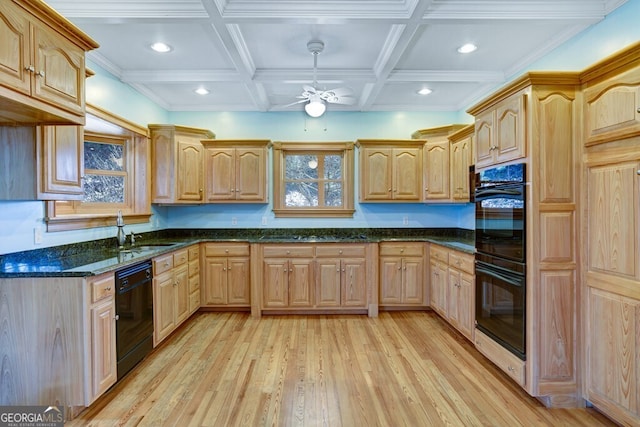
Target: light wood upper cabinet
177 164
436 170
236 170
500 134
390 170
612 108
462 146
61 163
42 65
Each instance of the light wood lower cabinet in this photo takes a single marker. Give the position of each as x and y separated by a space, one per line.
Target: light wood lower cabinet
314 277
502 357
103 334
194 278
403 274
227 275
453 287
170 293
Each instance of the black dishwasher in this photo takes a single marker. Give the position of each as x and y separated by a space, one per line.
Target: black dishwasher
134 314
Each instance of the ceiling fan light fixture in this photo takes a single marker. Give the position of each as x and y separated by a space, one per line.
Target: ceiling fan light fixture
467 48
315 108
161 47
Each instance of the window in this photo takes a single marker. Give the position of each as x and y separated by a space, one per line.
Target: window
116 154
313 180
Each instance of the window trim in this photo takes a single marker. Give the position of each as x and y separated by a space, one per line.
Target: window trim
281 149
65 215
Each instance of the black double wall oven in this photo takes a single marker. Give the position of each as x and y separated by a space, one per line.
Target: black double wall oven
501 255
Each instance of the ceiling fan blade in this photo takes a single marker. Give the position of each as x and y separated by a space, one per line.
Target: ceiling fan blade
308 88
340 91
346 100
294 103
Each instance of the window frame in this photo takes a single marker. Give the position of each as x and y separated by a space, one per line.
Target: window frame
282 149
103 126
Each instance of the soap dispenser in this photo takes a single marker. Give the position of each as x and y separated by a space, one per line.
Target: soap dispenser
120 224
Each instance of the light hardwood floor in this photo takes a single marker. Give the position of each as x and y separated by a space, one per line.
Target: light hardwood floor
400 369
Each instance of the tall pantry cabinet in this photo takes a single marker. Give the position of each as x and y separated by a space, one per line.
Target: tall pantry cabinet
610 290
535 120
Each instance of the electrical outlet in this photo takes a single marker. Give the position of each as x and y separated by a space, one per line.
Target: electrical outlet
405 220
264 220
37 235
234 220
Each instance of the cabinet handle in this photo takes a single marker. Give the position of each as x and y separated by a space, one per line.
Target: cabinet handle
116 317
40 73
30 69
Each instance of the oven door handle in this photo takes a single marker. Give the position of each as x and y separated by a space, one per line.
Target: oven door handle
511 279
496 192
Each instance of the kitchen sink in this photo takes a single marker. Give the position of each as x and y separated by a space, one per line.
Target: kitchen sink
145 248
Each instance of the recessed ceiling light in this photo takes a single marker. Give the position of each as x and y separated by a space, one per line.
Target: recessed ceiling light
202 91
467 48
161 47
424 91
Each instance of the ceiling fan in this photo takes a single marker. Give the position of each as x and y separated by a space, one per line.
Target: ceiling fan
316 98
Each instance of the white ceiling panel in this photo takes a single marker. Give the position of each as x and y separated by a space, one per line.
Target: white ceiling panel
253 55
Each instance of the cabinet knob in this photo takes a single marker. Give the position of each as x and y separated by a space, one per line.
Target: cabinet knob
166 264
288 252
340 251
343 270
226 251
401 250
510 368
389 190
30 69
201 190
638 172
108 288
40 73
116 317
399 268
224 269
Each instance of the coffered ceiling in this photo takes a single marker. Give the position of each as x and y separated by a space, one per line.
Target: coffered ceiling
252 54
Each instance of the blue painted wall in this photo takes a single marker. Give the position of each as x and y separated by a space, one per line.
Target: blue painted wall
19 219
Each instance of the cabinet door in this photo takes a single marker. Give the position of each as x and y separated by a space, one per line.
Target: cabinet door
14 49
300 283
407 174
328 277
484 139
276 286
164 306
613 367
181 277
437 170
61 157
461 152
59 70
238 281
390 280
614 214
215 281
103 347
221 174
453 297
466 304
376 173
163 158
189 171
251 174
510 130
413 280
439 287
354 285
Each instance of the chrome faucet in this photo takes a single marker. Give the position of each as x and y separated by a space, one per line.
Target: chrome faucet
122 238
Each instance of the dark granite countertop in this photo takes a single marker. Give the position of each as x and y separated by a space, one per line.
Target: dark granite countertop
99 256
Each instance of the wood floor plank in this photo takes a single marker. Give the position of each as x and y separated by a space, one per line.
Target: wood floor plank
401 368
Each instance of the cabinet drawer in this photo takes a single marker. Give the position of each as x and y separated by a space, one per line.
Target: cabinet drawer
461 261
226 249
194 300
194 284
287 251
340 251
401 249
501 357
194 252
439 253
162 263
180 257
194 268
102 287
